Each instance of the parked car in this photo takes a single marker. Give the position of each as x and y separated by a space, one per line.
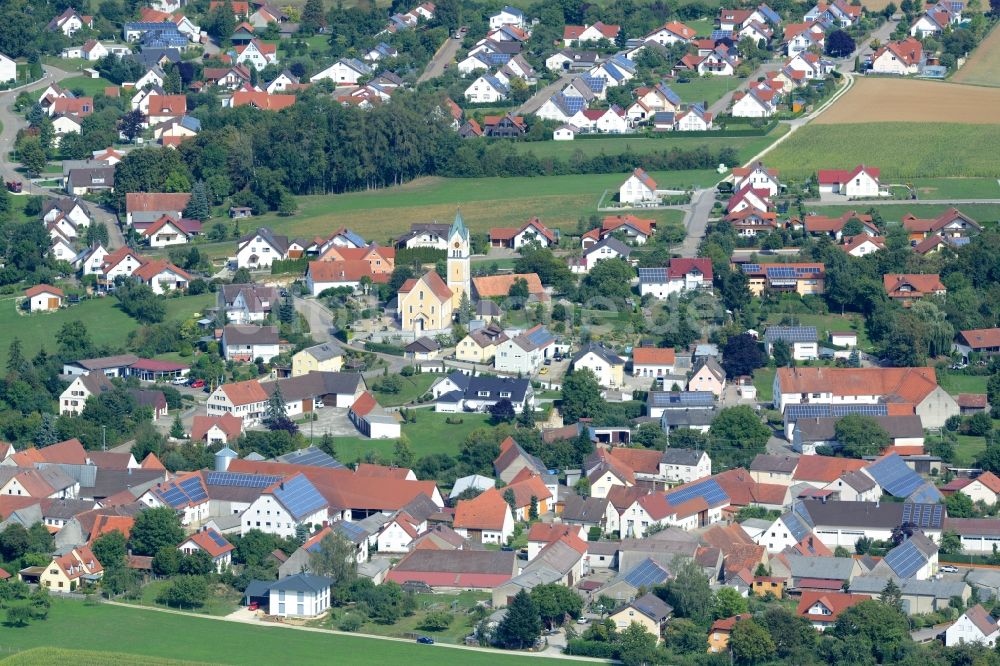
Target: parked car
198 383
425 640
948 568
179 381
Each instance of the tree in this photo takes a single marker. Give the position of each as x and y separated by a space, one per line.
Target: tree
14 542
177 428
861 436
791 634
502 411
110 549
581 395
154 529
32 156
221 22
728 602
312 18
130 125
892 596
436 621
742 355
782 354
751 643
882 627
609 279
688 592
47 433
636 646
335 558
18 616
979 424
853 226
510 497
839 44
522 625
185 592
167 561
737 435
555 603
198 207
518 293
533 508
685 637
198 563
960 505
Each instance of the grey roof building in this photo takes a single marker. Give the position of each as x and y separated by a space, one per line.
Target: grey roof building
601 352
790 334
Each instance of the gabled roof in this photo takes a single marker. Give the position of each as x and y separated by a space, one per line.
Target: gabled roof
912 284
834 602
495 286
156 202
601 352
432 281
486 511
211 542
231 425
903 385
840 177
982 620
43 289
653 356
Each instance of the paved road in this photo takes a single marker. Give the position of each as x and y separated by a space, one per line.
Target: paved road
535 101
13 121
441 59
696 220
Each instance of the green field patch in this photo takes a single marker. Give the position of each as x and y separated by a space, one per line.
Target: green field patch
429 435
89 86
985 214
901 150
955 383
968 448
956 188
147 633
763 381
559 201
412 388
826 323
106 324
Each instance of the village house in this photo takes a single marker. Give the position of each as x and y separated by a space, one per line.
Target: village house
653 361
903 57
532 231
608 367
212 430
681 275
246 400
285 505
975 626
707 375
822 608
68 572
213 543
638 189
43 297
372 420
802 278
906 288
581 34
74 398
480 345
860 183
486 518
324 357
524 353
802 341
260 249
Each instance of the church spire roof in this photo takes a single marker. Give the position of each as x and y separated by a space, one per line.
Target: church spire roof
458 226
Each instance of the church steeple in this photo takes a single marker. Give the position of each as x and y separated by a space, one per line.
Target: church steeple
458 227
459 251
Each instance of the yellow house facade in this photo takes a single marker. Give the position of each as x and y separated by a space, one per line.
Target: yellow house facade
480 346
319 358
63 574
425 304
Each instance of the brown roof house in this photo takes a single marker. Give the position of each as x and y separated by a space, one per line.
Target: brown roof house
486 518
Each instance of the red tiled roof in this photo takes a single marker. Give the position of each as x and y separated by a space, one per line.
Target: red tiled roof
499 285
351 270
152 462
680 267
840 176
245 392
43 289
487 511
433 282
155 267
364 404
653 356
167 105
262 100
645 461
835 602
205 541
920 284
901 385
981 338
231 425
148 202
612 222
972 400
382 471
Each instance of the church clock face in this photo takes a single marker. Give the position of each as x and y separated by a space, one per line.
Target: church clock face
457 245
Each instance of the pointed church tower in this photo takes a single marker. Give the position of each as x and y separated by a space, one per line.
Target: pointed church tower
459 273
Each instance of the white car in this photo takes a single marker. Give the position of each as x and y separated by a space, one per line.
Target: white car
179 381
947 568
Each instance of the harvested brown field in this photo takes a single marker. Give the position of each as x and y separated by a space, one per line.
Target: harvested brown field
884 100
983 66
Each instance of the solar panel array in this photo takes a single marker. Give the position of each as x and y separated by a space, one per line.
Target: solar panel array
685 398
797 526
595 83
194 488
895 476
791 333
646 573
751 268
799 509
312 457
905 559
707 489
299 496
927 493
352 531
571 103
217 538
174 496
539 337
818 411
653 275
241 479
923 515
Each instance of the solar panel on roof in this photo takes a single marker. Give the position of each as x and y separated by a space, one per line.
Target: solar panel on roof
539 337
351 530
241 480
923 515
797 526
653 275
819 411
926 493
707 489
895 476
721 34
751 268
174 496
645 574
780 272
217 538
299 496
880 409
905 559
193 488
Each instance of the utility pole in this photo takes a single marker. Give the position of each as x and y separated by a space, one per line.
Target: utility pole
104 438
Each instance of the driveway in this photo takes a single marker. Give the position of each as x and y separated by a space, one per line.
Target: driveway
439 62
696 220
535 101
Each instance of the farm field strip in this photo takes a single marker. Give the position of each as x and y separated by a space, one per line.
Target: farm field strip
895 100
983 66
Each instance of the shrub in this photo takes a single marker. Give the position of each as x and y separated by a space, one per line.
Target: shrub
350 622
435 621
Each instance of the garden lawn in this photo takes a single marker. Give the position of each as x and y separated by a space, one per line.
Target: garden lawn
955 383
429 435
901 150
412 388
969 446
106 324
89 86
457 605
747 147
217 604
763 380
105 628
707 89
956 188
559 201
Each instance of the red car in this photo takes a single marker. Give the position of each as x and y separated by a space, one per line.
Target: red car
198 383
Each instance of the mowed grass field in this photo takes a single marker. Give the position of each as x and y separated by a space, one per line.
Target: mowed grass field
746 147
983 66
957 188
145 633
88 85
429 435
902 150
894 100
106 324
986 214
559 201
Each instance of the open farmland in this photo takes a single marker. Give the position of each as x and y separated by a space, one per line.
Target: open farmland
885 100
903 150
559 201
147 633
983 66
985 214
